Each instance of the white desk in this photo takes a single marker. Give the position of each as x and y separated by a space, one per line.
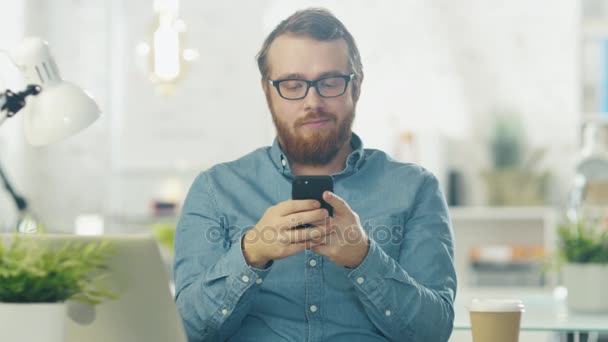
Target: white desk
546 310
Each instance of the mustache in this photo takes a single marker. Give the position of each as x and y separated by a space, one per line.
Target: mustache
315 117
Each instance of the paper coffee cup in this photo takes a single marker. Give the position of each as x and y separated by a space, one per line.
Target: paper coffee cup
495 320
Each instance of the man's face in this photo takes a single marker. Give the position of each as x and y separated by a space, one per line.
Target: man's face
313 129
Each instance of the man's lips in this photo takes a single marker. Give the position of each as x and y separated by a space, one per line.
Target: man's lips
316 122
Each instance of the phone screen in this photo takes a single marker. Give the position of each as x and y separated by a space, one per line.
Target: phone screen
312 187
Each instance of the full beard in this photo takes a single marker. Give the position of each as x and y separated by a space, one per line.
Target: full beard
319 147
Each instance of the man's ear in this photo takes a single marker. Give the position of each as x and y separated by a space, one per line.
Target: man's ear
264 84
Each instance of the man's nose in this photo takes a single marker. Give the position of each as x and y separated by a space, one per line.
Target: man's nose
313 99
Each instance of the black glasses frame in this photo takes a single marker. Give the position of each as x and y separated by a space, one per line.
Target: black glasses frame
309 84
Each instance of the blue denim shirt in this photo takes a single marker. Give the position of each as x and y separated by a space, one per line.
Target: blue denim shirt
402 291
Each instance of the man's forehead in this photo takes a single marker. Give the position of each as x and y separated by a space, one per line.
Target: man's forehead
303 56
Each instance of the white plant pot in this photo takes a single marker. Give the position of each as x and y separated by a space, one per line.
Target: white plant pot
586 284
32 322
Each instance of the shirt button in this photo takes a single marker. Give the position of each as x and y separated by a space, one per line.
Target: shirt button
387 312
283 162
224 312
360 280
245 278
313 308
313 262
258 281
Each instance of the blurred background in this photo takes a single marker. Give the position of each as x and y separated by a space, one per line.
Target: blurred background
492 96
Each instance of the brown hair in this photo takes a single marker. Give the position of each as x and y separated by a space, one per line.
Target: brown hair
317 23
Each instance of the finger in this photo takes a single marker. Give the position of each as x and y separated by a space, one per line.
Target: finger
312 243
294 206
305 217
301 235
321 249
325 222
326 240
295 248
336 202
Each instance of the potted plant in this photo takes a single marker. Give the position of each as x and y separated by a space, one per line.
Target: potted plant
584 250
36 281
515 177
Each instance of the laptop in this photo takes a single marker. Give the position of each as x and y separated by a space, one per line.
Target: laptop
145 309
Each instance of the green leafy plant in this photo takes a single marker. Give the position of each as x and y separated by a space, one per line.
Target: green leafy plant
31 273
507 143
165 235
515 177
583 242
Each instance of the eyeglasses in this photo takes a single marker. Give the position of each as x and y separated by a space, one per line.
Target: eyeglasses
327 87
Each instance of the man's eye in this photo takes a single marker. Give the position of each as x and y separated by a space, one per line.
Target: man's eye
292 85
329 83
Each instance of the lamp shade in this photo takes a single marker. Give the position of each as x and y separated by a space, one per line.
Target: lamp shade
58 112
61 109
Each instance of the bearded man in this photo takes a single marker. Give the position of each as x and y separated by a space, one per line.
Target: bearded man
380 269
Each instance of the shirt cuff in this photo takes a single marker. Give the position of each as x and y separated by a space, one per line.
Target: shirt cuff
244 271
373 265
234 265
262 272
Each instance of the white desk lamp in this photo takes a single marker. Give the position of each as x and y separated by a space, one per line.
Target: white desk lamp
54 109
58 110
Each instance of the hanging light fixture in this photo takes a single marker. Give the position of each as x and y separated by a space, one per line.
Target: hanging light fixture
164 55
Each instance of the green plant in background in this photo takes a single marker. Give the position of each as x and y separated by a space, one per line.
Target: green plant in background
514 178
507 143
31 273
583 242
165 235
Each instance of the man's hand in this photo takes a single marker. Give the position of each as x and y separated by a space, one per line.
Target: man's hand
347 244
274 236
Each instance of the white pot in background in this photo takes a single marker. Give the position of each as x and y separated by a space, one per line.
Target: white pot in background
586 284
32 322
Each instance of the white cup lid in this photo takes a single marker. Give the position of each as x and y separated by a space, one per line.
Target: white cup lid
497 305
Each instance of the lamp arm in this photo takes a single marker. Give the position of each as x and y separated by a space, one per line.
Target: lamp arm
11 103
20 202
3 114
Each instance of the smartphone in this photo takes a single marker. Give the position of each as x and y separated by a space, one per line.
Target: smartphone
312 187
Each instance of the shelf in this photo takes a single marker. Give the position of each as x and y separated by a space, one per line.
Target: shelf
594 29
502 213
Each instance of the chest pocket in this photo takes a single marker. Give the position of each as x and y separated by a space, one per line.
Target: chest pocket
387 231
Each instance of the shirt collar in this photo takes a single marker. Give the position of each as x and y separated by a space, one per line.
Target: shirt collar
353 162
